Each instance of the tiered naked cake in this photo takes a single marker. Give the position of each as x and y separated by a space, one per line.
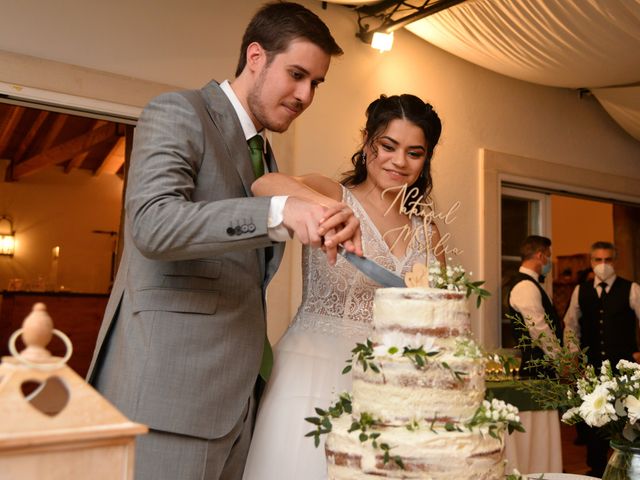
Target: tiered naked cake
417 408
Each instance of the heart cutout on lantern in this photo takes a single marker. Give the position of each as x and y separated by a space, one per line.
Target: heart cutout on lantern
48 397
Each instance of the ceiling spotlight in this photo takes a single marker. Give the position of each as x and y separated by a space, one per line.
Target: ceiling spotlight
382 41
383 17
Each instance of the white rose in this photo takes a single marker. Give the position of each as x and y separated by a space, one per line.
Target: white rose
633 408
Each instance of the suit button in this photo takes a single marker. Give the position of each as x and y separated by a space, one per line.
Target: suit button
244 228
601 311
601 322
602 353
231 231
252 227
238 230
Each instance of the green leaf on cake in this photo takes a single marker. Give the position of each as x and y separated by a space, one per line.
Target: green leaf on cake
323 421
362 354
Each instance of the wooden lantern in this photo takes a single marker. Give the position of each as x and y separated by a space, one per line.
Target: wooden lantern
53 425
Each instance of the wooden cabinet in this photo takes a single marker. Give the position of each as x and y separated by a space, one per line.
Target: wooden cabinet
79 315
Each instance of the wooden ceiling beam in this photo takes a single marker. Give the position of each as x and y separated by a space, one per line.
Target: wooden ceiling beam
64 151
31 134
78 160
9 128
54 131
75 162
113 161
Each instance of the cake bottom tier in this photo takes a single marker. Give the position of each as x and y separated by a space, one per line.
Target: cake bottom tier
425 454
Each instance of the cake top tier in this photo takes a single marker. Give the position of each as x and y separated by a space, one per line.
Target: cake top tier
421 310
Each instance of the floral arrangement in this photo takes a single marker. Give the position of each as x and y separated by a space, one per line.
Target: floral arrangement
608 398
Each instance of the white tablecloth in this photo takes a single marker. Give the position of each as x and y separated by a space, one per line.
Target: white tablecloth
539 449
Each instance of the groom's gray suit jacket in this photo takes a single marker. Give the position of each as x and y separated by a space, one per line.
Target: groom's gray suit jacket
182 337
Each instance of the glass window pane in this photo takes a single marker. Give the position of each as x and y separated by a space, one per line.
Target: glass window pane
516 224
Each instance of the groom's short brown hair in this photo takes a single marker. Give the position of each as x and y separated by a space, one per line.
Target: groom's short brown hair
276 25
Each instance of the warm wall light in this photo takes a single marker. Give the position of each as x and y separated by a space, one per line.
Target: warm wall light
7 236
382 41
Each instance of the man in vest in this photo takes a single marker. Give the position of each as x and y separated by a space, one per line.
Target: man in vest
602 317
533 316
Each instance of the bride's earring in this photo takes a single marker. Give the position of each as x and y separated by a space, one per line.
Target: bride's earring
363 158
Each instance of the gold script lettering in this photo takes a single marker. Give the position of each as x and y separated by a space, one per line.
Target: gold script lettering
414 204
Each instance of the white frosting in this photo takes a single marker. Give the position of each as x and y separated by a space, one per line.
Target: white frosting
420 308
401 392
425 453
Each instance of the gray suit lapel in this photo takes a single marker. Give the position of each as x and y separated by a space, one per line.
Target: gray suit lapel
225 119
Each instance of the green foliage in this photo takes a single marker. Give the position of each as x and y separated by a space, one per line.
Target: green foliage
363 424
418 356
362 353
453 277
323 421
565 368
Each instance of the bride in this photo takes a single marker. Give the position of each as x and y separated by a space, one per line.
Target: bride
400 135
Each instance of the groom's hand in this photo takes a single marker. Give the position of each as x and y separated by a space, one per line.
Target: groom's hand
316 225
302 217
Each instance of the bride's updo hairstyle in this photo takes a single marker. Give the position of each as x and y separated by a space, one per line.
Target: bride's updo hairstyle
379 114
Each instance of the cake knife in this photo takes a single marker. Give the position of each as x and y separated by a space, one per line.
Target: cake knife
372 270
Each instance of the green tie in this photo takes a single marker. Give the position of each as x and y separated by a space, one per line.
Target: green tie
256 148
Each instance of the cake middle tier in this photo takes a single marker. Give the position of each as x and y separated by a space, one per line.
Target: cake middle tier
447 388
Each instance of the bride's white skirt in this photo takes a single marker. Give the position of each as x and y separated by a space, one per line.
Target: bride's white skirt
307 373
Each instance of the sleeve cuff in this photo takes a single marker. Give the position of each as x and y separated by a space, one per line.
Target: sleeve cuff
275 226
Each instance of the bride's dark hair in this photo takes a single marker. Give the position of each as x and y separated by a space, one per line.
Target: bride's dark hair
379 114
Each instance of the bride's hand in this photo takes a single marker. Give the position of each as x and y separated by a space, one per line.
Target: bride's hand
339 226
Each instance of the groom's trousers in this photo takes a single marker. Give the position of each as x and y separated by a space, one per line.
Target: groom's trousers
169 456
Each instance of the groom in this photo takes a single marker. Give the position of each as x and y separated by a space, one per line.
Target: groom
182 338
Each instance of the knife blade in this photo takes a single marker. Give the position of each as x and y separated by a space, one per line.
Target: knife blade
372 270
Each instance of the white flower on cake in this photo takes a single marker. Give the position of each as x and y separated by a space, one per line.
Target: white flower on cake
466 347
397 340
450 277
495 414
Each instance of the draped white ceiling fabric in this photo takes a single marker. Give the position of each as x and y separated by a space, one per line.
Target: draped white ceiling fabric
592 44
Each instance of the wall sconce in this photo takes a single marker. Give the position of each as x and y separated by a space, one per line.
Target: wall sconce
7 236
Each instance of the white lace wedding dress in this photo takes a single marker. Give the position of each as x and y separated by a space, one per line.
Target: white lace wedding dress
335 313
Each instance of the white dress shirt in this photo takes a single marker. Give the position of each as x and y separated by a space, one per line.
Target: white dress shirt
525 299
573 315
275 228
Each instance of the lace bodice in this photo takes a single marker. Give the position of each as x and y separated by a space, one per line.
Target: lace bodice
338 300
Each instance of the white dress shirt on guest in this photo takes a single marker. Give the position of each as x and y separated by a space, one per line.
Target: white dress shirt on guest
525 298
